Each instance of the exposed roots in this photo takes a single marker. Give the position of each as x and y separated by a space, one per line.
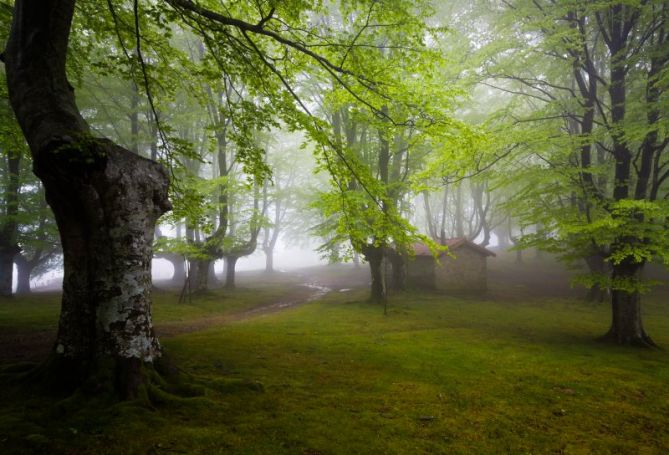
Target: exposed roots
638 341
112 381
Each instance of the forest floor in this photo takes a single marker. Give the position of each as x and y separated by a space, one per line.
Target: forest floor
514 370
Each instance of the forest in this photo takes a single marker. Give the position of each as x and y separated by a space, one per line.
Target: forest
334 227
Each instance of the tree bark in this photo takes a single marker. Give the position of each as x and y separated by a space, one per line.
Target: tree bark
596 266
626 322
459 213
23 271
200 274
230 264
374 256
269 259
9 227
356 259
134 118
212 278
7 270
106 201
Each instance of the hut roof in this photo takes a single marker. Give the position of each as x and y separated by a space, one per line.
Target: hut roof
453 244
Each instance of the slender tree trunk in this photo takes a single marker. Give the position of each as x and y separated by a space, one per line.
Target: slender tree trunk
374 256
23 271
134 118
429 220
269 259
212 278
106 201
6 270
9 226
230 264
356 259
444 210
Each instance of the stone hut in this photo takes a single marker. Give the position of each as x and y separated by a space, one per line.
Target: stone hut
463 268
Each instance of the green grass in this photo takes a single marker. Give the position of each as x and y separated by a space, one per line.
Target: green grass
437 375
39 311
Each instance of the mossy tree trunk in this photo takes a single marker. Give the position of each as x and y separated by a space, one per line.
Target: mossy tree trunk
626 322
106 201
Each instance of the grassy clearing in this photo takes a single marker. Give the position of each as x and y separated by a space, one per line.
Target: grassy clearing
437 375
39 311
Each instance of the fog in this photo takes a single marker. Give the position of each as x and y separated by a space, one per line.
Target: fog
286 258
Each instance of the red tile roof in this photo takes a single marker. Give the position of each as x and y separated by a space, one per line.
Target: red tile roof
453 244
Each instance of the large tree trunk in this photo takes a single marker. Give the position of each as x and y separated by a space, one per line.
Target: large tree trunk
106 201
23 271
230 264
626 323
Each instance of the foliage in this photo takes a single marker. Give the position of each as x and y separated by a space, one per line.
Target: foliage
592 173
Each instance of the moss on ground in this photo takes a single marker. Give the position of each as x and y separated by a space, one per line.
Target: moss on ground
437 375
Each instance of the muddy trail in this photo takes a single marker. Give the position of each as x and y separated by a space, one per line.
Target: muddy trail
304 293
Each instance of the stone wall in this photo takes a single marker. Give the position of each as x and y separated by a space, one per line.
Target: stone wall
420 272
464 272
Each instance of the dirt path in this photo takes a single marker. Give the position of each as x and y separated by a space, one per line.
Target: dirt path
34 345
307 292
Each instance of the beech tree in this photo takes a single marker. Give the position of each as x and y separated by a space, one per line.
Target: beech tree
595 74
107 199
